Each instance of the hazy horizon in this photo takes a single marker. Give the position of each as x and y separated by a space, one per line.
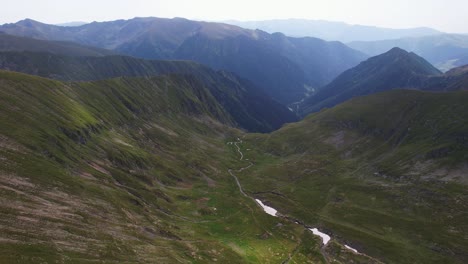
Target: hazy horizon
447 16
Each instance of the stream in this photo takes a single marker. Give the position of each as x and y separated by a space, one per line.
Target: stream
272 211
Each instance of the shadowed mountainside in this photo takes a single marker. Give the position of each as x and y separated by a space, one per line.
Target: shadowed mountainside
391 70
251 108
445 51
286 68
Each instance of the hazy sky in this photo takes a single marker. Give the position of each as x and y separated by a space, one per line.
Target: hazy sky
445 15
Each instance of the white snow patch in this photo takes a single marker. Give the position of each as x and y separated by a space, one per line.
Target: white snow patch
269 210
350 248
325 237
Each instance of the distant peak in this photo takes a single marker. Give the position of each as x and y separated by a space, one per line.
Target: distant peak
397 50
28 22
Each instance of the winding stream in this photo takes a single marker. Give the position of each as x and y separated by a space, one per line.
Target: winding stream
272 211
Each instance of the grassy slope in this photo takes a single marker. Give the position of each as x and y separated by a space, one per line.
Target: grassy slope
130 170
16 43
385 173
136 170
250 107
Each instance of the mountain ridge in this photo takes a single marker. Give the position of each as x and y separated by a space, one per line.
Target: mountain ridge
396 68
330 30
303 64
445 51
251 107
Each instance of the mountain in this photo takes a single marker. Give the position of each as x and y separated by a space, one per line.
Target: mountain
394 69
329 30
133 170
385 173
445 51
249 106
15 43
72 24
153 168
286 68
300 65
453 80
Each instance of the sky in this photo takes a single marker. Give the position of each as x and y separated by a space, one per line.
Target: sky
445 15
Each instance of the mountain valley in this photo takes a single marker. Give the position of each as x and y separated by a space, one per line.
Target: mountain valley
154 140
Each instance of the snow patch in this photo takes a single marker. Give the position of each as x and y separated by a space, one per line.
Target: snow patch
269 210
325 237
350 248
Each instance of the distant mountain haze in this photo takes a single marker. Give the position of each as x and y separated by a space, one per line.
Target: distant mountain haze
286 68
445 51
394 69
72 24
329 30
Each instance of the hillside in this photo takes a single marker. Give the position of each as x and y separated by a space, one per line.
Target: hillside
330 30
130 169
250 107
393 69
139 169
453 80
445 51
385 174
286 68
15 43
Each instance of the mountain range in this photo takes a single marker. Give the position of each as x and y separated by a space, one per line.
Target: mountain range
109 154
250 107
16 43
296 66
394 69
445 51
329 30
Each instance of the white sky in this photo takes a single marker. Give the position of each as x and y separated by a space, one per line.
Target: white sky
445 15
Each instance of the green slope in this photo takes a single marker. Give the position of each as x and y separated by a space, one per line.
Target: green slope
126 170
136 170
453 80
385 173
250 107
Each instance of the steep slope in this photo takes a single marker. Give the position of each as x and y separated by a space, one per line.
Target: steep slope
444 51
330 30
286 68
250 107
302 64
393 69
453 80
129 170
385 174
15 43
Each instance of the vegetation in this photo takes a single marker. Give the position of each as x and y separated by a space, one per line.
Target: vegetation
385 174
249 106
127 169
